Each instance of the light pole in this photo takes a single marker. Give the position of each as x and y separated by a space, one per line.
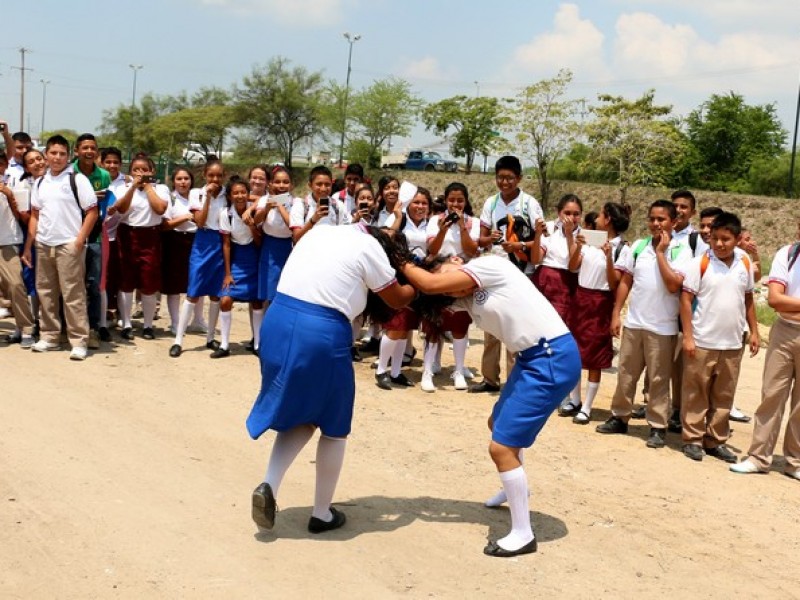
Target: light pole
44 83
135 71
477 89
794 147
351 39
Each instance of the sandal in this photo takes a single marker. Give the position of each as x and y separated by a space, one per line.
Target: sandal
581 418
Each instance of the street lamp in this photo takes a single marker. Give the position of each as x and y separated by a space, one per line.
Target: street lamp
351 39
44 83
477 89
135 71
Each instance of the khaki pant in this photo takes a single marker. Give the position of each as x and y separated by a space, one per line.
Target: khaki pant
13 288
490 361
640 349
709 384
60 273
781 367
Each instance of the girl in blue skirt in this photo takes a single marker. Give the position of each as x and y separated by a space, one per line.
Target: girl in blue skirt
206 264
240 250
307 379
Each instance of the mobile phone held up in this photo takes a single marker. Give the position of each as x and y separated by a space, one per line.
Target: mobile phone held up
363 205
451 218
324 202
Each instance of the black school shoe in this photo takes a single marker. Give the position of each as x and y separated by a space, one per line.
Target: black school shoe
221 353
264 506
355 355
402 380
148 333
105 334
483 387
316 525
127 334
175 350
674 423
658 438
722 453
613 425
212 345
494 549
383 381
693 451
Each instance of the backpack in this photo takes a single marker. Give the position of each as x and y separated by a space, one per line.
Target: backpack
618 251
794 251
639 248
98 225
706 259
693 241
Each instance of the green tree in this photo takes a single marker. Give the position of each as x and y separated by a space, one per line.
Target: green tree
281 106
475 121
386 108
635 139
729 135
70 134
544 123
127 126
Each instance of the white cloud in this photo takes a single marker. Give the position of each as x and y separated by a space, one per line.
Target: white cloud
309 13
427 68
573 43
646 45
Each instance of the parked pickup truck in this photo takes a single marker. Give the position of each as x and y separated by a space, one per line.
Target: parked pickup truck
420 160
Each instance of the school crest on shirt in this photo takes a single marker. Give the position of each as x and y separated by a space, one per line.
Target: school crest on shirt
481 296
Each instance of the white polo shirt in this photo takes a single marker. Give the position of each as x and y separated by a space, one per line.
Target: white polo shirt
507 305
197 198
15 170
554 246
683 237
179 206
334 267
593 274
117 188
302 211
524 205
719 321
452 245
231 223
274 224
10 231
780 273
416 235
140 213
651 305
60 218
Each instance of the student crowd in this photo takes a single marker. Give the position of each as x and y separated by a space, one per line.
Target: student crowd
80 240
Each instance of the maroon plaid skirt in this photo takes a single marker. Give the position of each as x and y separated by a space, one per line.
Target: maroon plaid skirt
403 319
558 286
590 324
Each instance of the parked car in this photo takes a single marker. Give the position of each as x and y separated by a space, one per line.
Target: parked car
419 160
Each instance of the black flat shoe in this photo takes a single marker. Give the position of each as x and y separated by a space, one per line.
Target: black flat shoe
127 334
316 525
640 412
105 334
693 451
569 409
250 346
493 549
148 333
221 353
212 345
175 351
722 453
355 354
402 380
383 381
483 387
264 506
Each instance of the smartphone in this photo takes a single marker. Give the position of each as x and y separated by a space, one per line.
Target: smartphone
324 201
451 218
148 179
2 127
363 206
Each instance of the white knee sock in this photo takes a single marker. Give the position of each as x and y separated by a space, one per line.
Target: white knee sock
591 392
384 354
225 318
330 457
258 318
103 309
126 308
397 356
515 484
409 348
174 308
429 356
575 394
199 307
213 315
187 308
500 497
285 449
148 309
460 352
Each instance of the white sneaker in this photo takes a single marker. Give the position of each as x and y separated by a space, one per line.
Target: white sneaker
4 313
745 467
78 353
467 373
793 474
426 384
43 346
458 381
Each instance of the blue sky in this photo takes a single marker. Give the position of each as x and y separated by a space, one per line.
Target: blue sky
685 49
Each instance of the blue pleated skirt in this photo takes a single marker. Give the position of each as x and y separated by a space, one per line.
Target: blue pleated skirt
274 254
206 264
306 371
244 270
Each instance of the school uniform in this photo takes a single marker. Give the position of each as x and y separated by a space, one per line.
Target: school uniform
307 374
206 263
405 319
494 210
547 363
111 269
303 210
650 330
781 368
276 244
176 246
718 324
60 267
593 304
11 282
23 189
552 277
452 244
139 234
244 257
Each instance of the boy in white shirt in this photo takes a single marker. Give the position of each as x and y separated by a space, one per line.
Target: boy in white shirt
721 280
318 206
653 274
63 212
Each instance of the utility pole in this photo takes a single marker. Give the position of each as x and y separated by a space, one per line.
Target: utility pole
351 39
794 148
44 103
22 68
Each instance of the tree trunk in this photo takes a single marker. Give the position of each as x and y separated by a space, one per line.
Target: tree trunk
470 160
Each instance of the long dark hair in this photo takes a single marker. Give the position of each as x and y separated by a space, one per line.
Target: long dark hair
395 246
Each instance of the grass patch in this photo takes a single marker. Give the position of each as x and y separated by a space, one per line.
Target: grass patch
765 314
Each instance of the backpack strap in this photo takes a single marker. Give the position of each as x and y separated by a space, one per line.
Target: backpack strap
704 261
618 249
794 251
640 246
72 185
693 241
